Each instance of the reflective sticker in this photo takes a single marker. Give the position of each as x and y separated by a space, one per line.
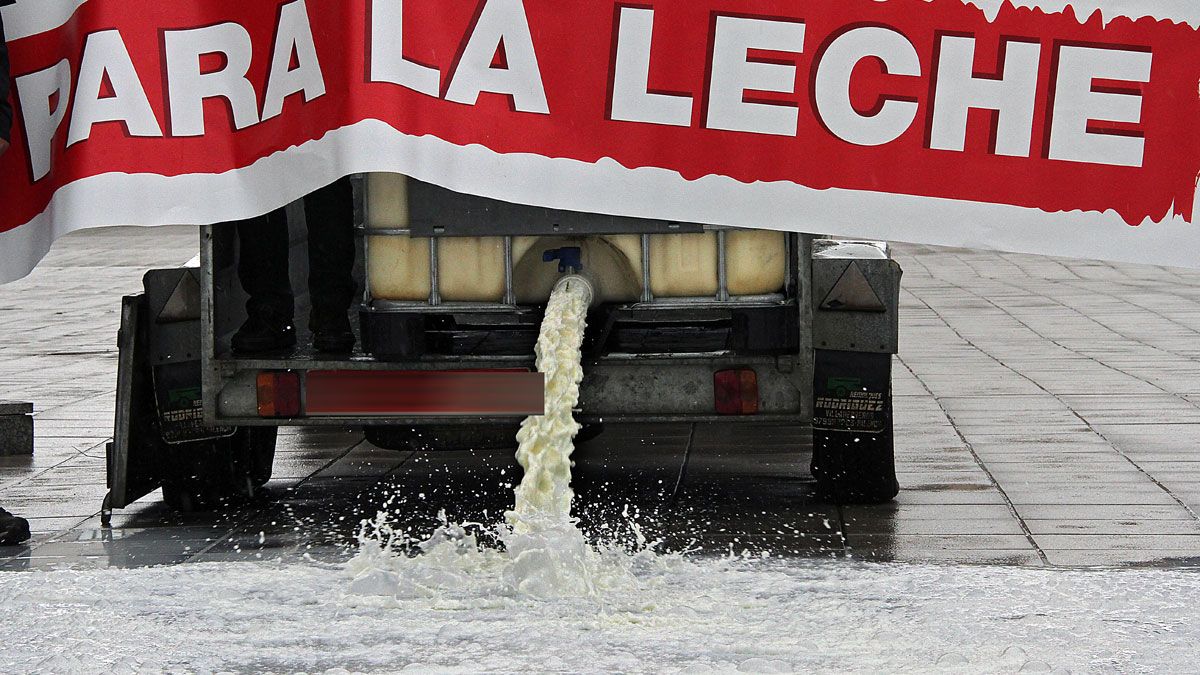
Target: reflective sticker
184 303
853 293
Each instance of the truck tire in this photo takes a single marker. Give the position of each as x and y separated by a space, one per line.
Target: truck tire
208 474
260 451
588 431
444 437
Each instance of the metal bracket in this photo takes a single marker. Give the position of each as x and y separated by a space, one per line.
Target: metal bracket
106 511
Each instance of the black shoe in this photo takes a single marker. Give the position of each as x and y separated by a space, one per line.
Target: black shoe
13 529
331 332
261 334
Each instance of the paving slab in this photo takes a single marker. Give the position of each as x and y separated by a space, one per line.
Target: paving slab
1138 526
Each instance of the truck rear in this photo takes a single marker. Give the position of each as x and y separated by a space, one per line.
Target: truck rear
690 323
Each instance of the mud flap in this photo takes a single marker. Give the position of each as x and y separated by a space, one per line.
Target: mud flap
853 444
134 454
159 437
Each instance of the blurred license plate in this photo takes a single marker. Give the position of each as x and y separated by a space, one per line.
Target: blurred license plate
376 393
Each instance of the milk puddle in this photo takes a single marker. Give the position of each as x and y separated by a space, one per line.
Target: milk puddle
680 615
532 594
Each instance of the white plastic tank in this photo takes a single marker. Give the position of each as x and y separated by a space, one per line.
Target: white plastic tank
612 262
756 261
471 269
397 266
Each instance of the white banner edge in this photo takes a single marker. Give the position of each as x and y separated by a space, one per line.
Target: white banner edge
602 187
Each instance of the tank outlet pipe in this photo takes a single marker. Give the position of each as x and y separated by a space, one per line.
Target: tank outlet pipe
580 282
570 265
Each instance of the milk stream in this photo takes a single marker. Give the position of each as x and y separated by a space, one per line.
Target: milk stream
543 499
545 554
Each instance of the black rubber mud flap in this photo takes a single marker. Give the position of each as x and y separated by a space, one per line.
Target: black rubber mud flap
853 444
134 455
159 437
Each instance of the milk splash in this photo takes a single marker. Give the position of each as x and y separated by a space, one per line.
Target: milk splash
545 555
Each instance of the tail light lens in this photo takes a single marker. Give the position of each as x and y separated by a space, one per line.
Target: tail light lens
736 391
278 393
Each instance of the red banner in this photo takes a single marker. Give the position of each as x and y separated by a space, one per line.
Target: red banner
919 120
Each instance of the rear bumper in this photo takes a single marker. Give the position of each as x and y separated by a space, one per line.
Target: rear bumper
615 389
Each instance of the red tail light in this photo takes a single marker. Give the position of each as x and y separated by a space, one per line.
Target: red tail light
278 393
736 391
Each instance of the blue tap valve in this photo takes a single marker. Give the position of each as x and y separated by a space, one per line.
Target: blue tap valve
570 258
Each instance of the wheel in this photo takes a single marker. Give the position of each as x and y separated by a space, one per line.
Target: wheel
444 437
178 497
588 431
259 447
208 474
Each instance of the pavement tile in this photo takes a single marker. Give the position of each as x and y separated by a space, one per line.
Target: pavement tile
914 512
1191 499
936 542
1107 557
908 462
1073 512
1049 437
980 422
1160 437
1088 495
974 485
27 563
805 544
1120 542
910 474
856 527
1067 476
1177 482
946 498
1053 458
1150 527
1022 557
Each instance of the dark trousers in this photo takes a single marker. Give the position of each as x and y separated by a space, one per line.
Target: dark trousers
263 258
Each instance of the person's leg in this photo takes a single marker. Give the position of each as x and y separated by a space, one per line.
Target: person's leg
263 272
330 215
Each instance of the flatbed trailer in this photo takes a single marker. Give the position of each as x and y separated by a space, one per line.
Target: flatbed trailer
693 323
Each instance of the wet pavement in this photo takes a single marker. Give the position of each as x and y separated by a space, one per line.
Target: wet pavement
1047 414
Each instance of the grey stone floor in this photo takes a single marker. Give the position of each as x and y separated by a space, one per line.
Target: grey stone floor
1048 413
